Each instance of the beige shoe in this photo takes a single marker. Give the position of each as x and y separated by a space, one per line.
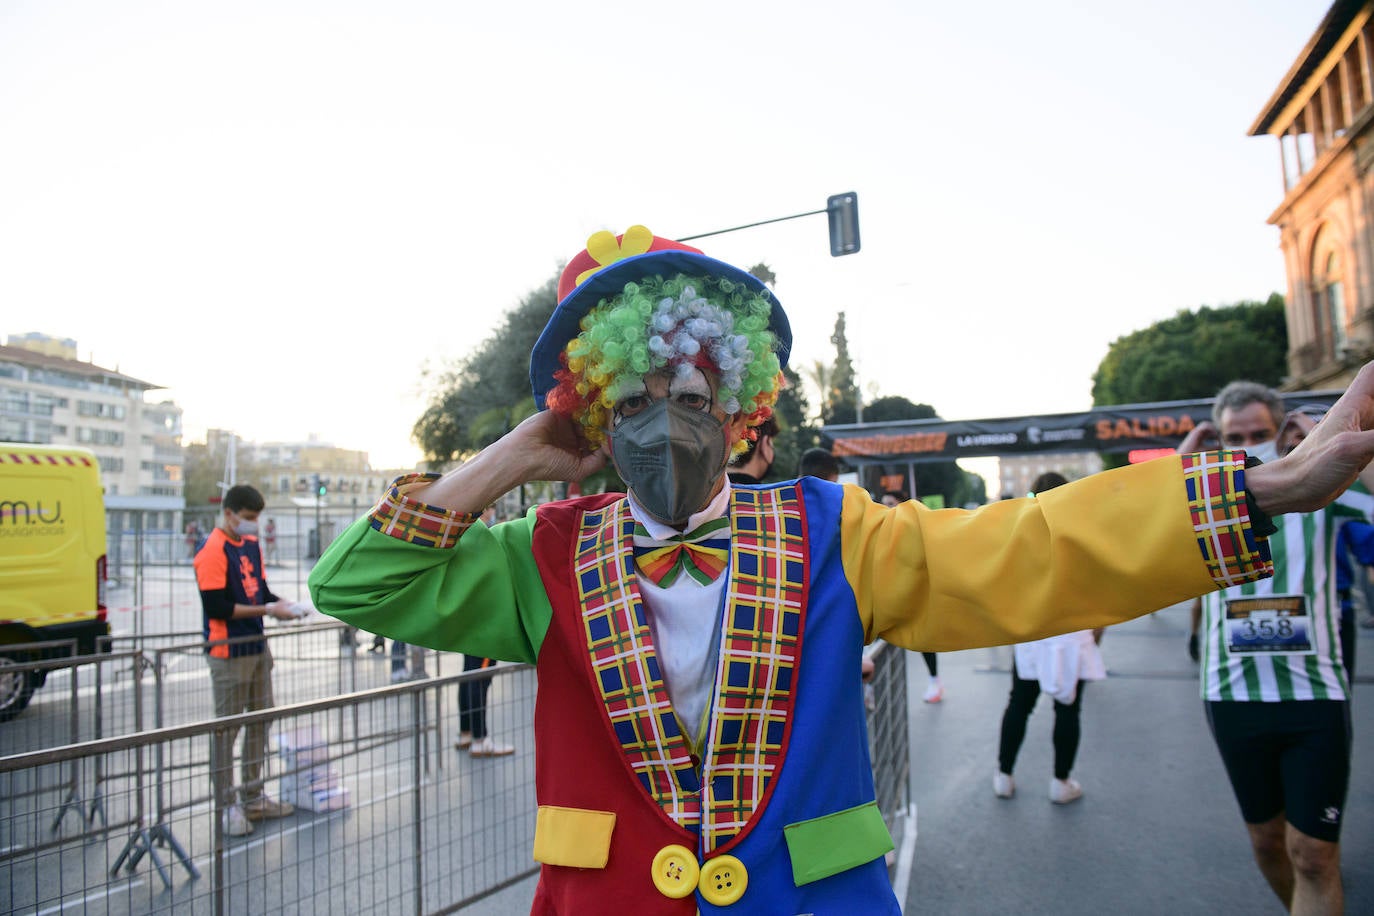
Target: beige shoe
486 747
262 807
464 741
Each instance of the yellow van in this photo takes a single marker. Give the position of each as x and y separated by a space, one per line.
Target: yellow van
52 560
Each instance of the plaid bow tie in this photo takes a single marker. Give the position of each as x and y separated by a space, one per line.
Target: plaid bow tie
701 553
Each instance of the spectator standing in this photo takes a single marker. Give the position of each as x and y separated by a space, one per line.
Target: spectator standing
399 671
192 539
818 462
472 700
935 691
269 537
234 598
754 463
1060 666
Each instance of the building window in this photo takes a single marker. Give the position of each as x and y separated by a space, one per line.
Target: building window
1328 295
85 435
100 409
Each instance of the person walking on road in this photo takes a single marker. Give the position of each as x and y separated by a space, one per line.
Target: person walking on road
1059 666
234 599
1273 683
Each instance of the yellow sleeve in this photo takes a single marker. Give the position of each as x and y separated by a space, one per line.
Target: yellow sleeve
1094 552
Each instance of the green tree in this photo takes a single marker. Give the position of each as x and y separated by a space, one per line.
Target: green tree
1195 353
796 432
840 402
200 474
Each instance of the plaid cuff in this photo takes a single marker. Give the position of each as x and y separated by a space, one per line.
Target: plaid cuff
415 522
1215 484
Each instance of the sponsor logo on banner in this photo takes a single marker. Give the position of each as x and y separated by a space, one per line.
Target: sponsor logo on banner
1154 427
984 439
1035 435
891 445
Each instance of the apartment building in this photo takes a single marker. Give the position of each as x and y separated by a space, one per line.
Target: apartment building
48 396
291 472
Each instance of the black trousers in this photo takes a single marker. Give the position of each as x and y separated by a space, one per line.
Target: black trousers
472 698
1020 705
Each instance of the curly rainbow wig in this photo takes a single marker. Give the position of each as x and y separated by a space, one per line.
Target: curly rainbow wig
682 324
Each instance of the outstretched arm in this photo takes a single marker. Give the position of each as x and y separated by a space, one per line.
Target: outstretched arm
1325 463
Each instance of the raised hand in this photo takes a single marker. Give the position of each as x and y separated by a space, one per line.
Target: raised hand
1327 461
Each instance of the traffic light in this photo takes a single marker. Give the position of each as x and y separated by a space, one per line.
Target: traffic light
320 488
843 212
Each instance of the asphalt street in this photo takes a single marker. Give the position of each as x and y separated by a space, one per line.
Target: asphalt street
1157 830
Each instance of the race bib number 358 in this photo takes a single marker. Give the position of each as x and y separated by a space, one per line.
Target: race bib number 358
1268 623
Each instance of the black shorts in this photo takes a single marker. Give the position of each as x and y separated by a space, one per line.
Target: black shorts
1290 758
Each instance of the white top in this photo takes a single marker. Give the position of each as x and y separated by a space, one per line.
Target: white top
1060 662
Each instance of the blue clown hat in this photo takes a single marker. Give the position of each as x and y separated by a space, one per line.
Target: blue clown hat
601 271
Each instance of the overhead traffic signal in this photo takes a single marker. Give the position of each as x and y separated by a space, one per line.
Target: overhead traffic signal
843 212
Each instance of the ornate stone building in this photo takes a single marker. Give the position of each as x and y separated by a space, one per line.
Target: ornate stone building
1322 114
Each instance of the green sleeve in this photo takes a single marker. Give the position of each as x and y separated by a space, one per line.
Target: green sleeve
483 596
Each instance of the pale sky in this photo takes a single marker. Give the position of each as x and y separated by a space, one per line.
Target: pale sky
282 211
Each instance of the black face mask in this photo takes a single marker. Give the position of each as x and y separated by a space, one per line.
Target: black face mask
671 457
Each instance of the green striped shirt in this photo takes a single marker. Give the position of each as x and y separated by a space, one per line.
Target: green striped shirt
1303 549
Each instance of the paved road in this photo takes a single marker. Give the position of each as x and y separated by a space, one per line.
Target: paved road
1157 830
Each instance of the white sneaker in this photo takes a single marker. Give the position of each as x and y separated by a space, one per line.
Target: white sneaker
486 747
1063 791
400 675
1003 786
236 823
935 692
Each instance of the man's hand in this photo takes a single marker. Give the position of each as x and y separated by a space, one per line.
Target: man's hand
1296 426
1325 463
1192 646
546 446
280 610
554 448
1199 437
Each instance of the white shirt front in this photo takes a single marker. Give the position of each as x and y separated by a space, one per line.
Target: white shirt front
685 621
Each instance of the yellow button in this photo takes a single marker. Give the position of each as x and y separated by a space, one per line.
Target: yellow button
723 880
675 871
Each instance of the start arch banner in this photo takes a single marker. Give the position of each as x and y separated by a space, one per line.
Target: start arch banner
1115 429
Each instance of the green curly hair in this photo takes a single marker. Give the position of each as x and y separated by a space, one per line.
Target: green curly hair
685 323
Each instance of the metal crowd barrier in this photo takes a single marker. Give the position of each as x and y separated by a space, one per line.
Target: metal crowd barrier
404 823
166 676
